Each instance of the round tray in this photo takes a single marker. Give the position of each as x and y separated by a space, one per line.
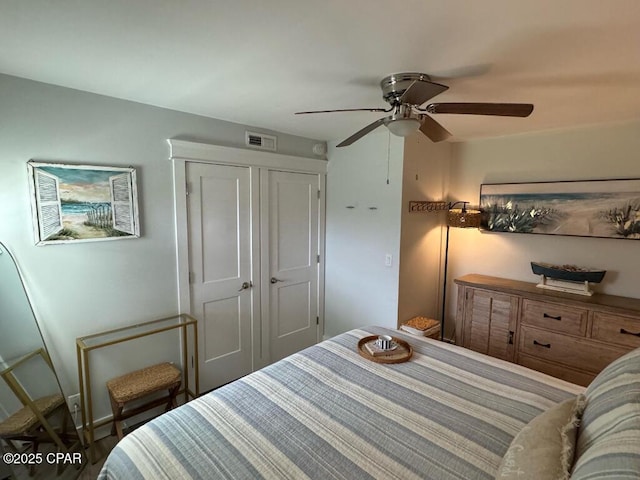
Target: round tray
401 354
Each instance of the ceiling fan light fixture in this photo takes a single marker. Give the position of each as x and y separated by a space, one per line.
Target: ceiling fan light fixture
403 127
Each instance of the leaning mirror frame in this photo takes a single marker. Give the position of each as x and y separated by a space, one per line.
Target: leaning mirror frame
37 432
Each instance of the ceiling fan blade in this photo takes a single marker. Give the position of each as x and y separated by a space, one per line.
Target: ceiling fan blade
361 133
347 110
501 109
433 130
420 91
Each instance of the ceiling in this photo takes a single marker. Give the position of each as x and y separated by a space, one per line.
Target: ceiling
257 62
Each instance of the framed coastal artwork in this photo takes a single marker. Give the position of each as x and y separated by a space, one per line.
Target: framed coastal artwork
595 208
81 203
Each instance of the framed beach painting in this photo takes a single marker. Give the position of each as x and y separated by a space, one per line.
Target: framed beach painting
80 203
595 208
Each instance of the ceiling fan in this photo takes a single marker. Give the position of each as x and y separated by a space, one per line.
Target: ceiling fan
406 92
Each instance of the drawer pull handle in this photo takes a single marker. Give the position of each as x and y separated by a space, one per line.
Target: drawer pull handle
545 345
546 315
622 330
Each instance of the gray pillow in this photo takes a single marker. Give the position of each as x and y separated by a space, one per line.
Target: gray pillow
544 448
608 443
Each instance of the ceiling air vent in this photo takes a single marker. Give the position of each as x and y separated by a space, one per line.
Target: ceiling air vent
261 141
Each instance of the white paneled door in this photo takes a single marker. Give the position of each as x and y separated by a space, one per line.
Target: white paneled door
219 219
254 244
291 212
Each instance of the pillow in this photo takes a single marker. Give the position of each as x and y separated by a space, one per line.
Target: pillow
544 448
608 443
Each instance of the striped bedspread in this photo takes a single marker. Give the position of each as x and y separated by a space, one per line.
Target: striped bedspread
328 413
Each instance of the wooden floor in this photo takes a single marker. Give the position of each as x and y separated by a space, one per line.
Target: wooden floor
104 446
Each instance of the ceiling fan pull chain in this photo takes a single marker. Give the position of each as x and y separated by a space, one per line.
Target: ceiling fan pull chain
388 153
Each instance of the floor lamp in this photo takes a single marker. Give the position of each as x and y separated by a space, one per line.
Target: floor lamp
458 218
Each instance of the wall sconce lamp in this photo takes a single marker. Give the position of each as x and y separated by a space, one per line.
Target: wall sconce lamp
462 217
458 216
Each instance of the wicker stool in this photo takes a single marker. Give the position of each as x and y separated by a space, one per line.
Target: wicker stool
25 426
139 384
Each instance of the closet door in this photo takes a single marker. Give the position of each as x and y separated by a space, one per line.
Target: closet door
290 228
219 221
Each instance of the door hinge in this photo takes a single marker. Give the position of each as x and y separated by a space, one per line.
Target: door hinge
187 188
317 320
318 259
318 193
192 277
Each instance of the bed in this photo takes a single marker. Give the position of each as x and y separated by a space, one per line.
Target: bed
328 413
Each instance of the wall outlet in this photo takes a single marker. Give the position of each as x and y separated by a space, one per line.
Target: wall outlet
73 400
74 408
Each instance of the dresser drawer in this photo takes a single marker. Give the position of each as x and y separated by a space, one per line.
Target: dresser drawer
568 374
616 329
558 318
574 352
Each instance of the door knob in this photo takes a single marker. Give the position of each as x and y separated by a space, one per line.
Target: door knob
244 286
275 280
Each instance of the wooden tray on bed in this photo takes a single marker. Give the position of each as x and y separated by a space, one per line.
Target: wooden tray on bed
399 355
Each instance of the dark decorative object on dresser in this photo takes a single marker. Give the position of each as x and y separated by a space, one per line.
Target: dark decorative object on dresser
567 278
571 273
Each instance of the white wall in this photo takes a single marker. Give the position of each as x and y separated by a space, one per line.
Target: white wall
425 177
607 152
359 289
78 289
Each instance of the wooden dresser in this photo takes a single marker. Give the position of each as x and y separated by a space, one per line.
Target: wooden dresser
566 335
